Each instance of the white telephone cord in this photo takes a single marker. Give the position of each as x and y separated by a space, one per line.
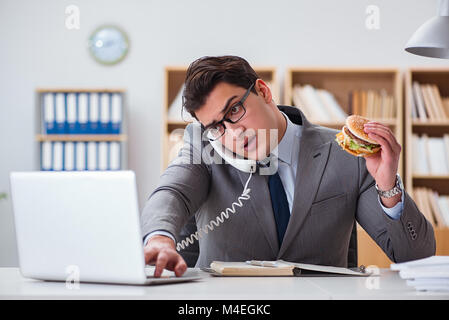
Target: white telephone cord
224 215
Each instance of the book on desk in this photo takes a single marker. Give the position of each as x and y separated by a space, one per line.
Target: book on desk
280 268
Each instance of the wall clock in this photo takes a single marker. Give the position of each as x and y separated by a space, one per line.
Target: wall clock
108 45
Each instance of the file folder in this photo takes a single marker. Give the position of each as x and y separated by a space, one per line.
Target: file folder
58 156
71 113
69 156
105 113
103 161
92 160
49 113
116 113
80 155
60 113
114 156
46 156
83 113
94 113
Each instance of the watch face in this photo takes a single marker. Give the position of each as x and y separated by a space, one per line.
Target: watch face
108 44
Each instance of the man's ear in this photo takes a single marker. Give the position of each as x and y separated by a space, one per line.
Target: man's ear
263 90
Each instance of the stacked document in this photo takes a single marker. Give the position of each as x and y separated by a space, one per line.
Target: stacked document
428 274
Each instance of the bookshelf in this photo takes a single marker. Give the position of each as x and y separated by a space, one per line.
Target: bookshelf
172 128
342 83
112 141
347 84
432 127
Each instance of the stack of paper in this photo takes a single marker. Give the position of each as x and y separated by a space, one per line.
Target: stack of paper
428 274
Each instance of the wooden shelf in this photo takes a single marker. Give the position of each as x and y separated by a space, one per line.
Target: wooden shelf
341 81
417 176
81 137
80 90
339 124
431 123
116 139
433 128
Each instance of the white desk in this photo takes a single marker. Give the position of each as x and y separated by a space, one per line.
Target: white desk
387 286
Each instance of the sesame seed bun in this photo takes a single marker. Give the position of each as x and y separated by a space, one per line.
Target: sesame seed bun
353 133
355 124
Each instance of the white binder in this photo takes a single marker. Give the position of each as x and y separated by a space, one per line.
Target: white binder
60 113
71 113
116 113
92 155
103 156
58 156
49 113
114 156
83 112
80 151
69 156
105 113
46 156
94 113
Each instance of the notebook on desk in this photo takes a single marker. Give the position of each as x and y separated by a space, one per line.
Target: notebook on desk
279 268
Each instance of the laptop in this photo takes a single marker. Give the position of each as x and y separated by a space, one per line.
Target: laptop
81 226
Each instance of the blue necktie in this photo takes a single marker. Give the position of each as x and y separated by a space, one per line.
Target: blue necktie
280 205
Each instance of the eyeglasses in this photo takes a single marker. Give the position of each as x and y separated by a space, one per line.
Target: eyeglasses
233 115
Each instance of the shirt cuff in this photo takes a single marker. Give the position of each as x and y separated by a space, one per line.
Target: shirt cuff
396 211
158 233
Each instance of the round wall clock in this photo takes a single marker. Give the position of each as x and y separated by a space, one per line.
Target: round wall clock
108 45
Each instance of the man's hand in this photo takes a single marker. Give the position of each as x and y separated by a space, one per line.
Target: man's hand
161 251
383 165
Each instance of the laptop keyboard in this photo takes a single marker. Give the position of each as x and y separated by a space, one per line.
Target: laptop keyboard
149 272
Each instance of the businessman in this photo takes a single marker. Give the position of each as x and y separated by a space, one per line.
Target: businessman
305 211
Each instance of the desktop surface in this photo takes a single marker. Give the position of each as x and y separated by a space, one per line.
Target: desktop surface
388 285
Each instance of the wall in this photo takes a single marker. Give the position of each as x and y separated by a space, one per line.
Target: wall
38 51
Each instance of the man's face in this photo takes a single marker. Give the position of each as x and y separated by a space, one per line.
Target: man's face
250 136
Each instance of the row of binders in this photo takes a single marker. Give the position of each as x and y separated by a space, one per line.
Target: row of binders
435 207
82 112
428 104
430 155
76 156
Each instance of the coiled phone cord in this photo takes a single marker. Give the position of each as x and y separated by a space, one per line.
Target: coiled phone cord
224 215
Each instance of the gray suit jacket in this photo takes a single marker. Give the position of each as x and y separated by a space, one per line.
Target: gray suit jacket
333 189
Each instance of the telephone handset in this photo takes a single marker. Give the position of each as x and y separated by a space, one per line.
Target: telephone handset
244 165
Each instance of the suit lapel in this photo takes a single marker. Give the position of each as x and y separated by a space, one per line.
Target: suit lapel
313 156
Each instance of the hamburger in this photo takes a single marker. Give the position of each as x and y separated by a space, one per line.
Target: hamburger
353 139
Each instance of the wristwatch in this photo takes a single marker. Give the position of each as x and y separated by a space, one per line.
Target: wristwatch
392 192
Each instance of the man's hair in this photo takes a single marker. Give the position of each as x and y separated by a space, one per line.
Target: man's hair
205 73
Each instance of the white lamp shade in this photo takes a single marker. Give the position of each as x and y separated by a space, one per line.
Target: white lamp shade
432 38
